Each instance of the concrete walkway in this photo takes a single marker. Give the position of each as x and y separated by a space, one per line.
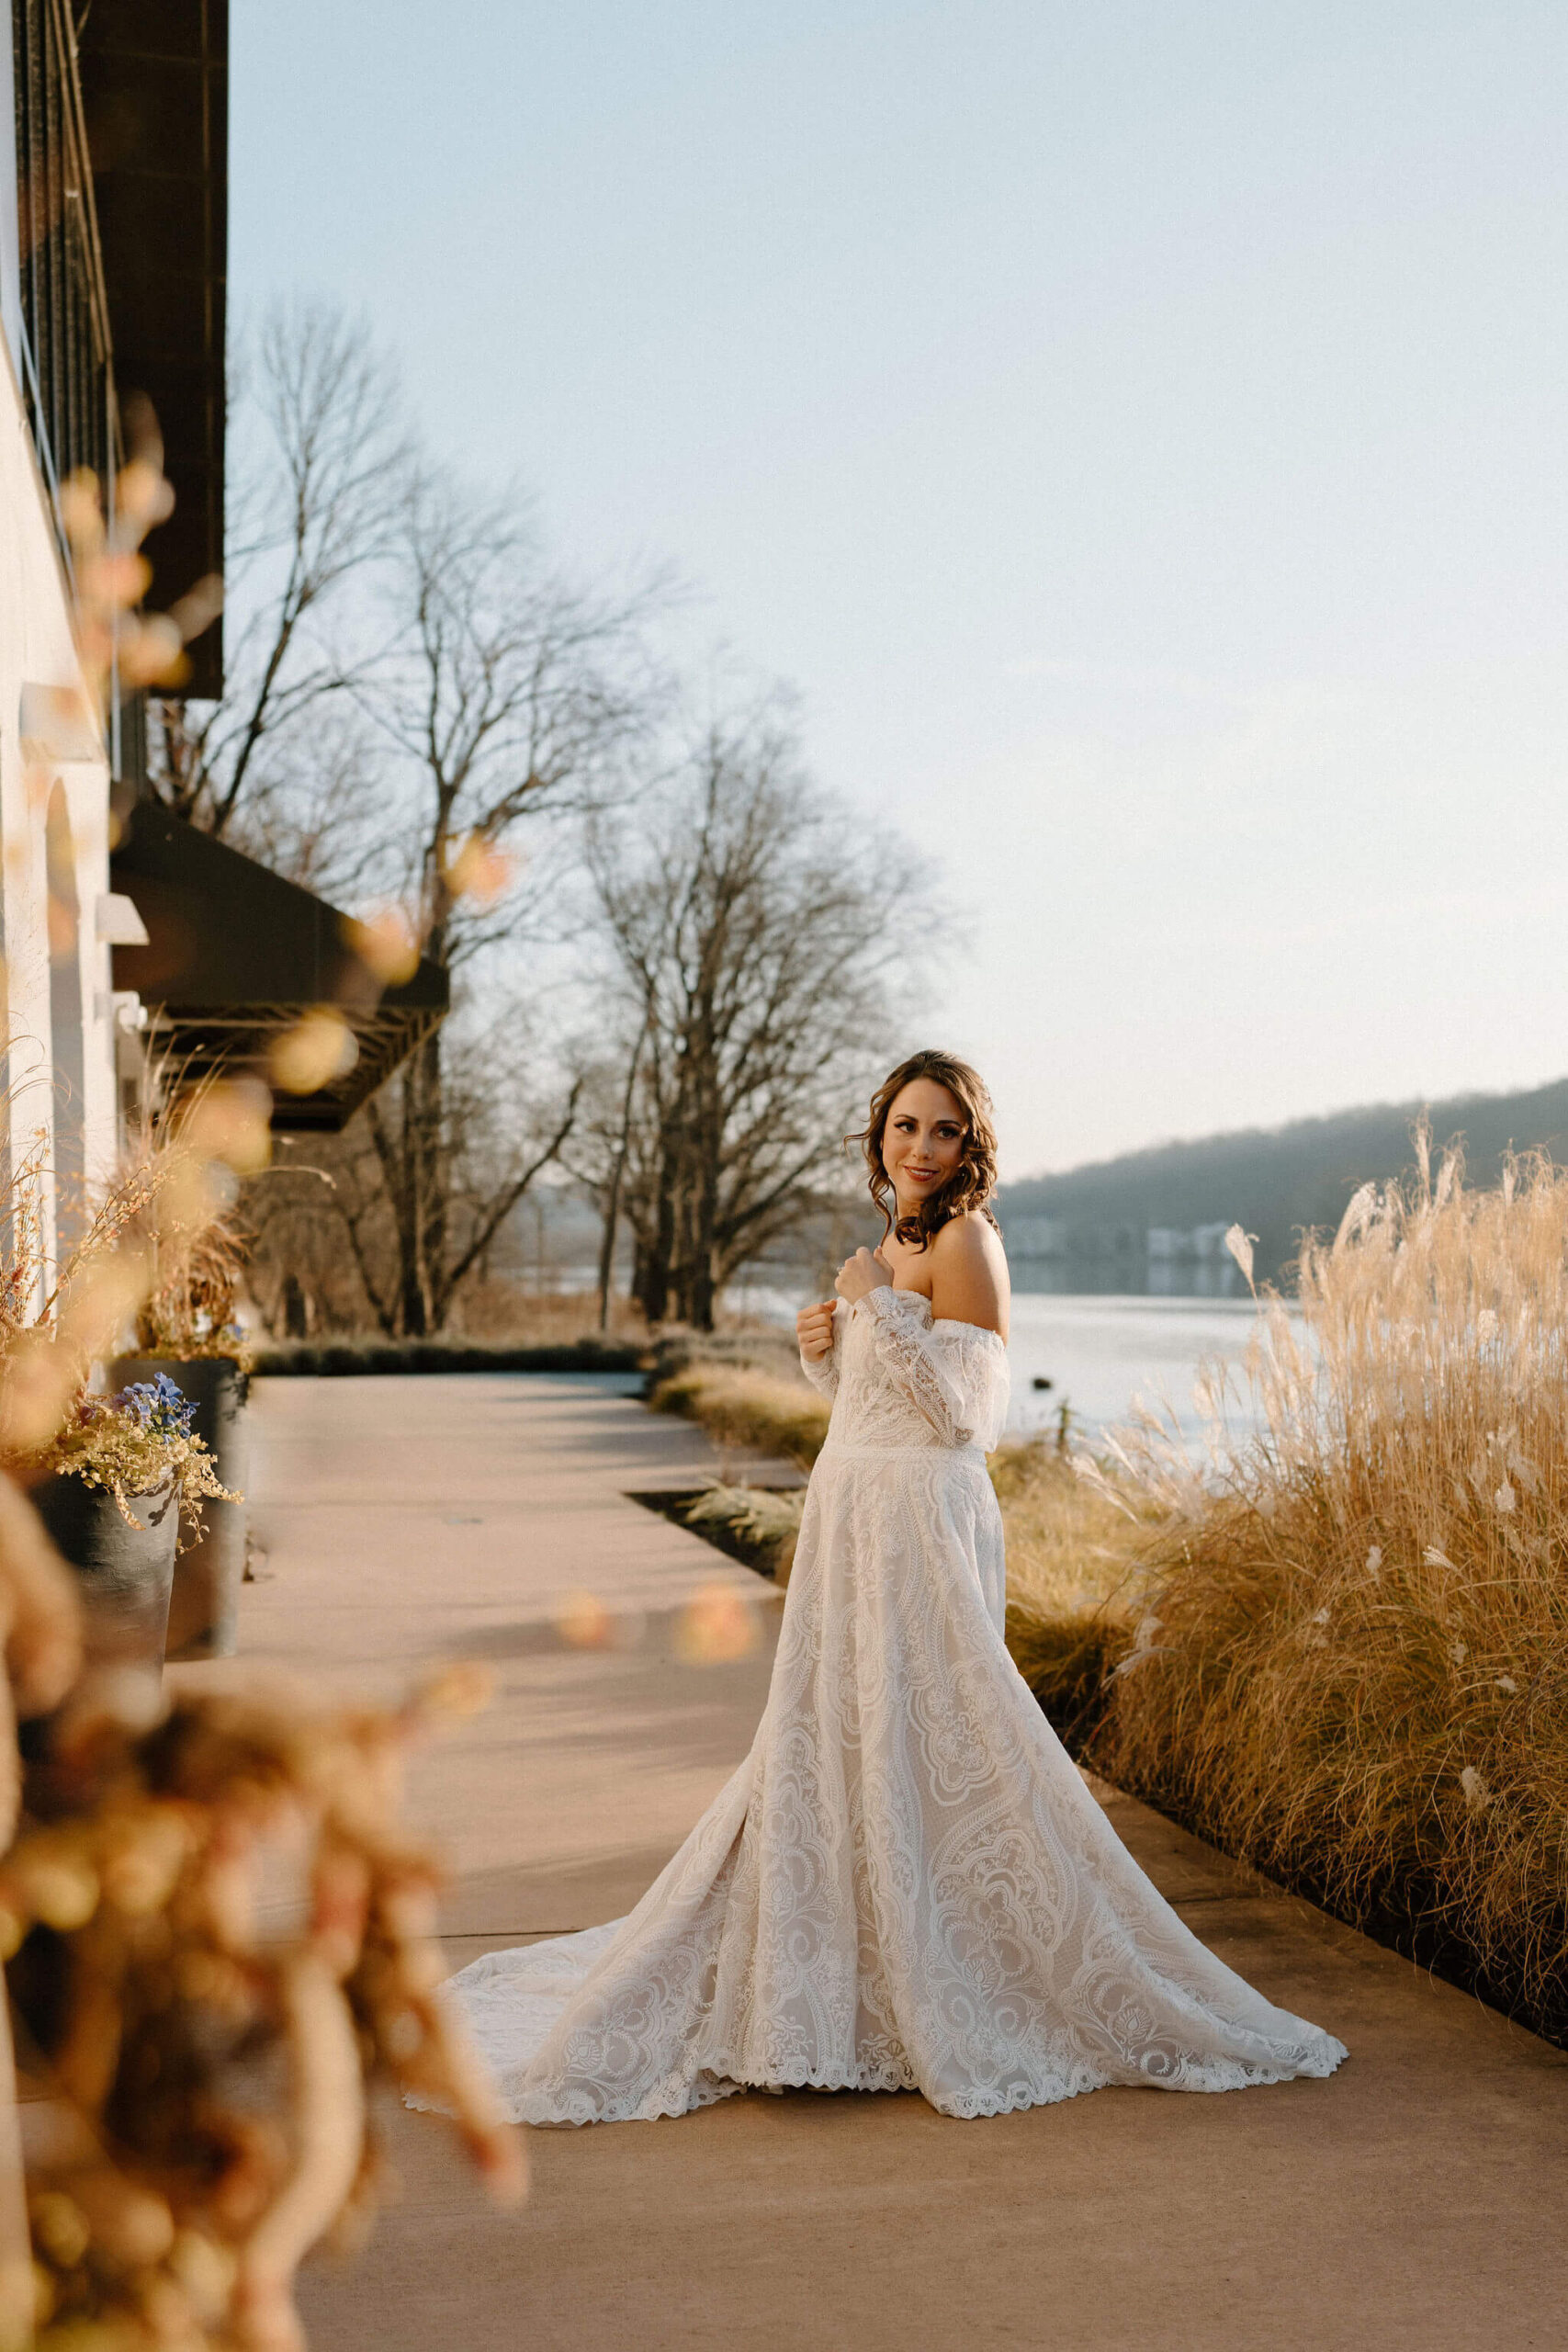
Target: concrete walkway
1415 2201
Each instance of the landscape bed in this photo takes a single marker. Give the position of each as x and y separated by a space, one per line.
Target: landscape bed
756 1525
330 1359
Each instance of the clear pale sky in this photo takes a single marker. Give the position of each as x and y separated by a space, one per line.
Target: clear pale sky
1138 431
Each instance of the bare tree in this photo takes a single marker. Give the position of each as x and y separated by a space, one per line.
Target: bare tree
297 1269
506 695
758 934
411 682
324 464
314 806
501 1130
328 1251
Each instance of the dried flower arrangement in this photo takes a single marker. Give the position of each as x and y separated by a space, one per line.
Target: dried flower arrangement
135 1444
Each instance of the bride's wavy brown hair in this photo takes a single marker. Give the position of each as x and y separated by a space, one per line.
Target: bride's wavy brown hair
974 1180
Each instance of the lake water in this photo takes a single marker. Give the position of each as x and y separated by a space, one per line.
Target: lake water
1100 1353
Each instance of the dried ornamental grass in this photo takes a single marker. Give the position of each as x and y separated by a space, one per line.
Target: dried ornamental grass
1353 1667
1072 1552
191 1156
58 1315
755 1409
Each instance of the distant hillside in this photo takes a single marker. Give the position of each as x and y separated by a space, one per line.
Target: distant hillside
1273 1182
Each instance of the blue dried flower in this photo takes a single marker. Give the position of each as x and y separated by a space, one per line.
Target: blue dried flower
159 1405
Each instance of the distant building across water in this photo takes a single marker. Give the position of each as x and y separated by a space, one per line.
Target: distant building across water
1067 1257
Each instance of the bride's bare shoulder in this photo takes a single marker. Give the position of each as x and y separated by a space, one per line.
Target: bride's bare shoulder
969 1237
969 1273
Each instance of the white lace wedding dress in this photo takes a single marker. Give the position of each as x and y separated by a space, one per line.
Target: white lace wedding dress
906 1885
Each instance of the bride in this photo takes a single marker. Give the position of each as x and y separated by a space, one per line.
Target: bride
907 1886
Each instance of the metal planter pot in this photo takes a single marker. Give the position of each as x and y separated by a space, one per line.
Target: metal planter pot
204 1609
125 1572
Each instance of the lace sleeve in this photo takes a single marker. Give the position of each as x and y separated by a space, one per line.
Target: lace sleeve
912 1360
824 1374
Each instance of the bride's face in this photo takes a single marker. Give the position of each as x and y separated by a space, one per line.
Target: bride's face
922 1142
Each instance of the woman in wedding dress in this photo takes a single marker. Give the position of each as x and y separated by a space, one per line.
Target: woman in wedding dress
906 1885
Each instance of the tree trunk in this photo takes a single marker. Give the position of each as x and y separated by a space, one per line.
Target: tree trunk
699 1312
709 1141
410 1208
660 1251
420 1206
653 1286
618 1178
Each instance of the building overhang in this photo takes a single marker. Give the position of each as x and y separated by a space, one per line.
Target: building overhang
235 956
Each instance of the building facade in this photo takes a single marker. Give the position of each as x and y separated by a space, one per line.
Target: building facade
123 927
64 1031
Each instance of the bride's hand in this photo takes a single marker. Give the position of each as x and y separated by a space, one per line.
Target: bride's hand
814 1330
867 1270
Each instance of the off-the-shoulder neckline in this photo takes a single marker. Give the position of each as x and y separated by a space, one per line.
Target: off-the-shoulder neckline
954 1322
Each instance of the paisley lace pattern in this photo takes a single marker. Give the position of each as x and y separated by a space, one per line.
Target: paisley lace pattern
906 1885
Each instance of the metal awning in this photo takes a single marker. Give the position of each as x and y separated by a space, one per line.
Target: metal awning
236 954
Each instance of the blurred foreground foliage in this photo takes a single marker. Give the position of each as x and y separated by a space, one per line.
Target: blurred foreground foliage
200 2061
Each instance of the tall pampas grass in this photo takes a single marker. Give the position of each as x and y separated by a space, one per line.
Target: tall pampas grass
1352 1666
